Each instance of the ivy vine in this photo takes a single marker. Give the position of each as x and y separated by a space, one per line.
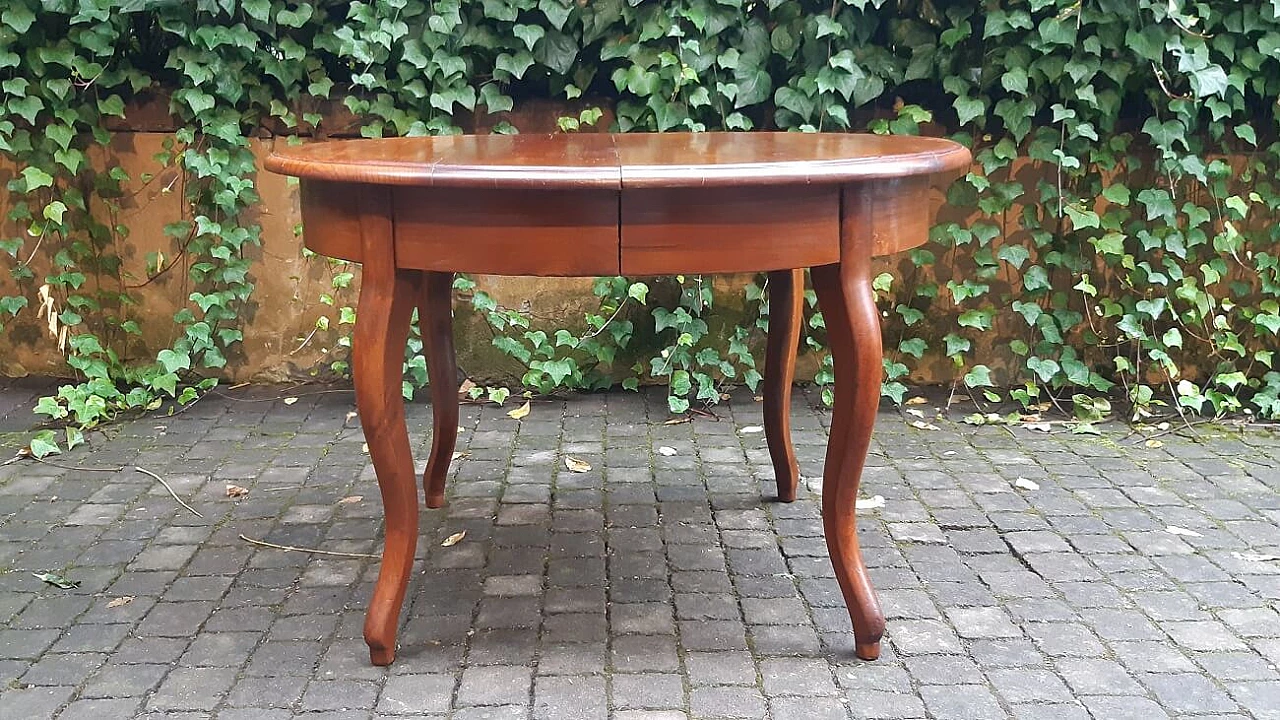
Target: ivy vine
1116 236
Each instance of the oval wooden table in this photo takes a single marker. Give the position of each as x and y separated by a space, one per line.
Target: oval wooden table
414 211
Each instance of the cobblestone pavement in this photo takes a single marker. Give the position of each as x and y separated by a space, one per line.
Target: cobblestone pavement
655 586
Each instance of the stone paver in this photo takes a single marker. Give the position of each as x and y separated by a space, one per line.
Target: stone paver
656 586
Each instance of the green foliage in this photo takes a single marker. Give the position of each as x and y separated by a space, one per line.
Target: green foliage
1119 221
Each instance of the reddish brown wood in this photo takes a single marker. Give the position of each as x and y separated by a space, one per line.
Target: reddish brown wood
331 217
847 301
786 311
435 320
533 232
387 297
583 205
725 229
629 161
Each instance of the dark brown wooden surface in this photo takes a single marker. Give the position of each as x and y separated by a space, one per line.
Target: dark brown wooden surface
500 232
600 205
724 229
621 161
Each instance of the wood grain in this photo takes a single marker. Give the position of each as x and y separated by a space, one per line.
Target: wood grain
633 160
435 320
603 205
331 217
387 297
847 301
786 308
717 230
534 232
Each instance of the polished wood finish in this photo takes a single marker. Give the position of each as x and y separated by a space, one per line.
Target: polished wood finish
332 213
786 313
499 232
640 160
435 321
387 297
416 210
726 229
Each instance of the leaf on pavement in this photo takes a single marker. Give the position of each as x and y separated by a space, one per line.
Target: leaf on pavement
235 491
120 601
869 503
453 539
519 412
1175 530
666 450
57 580
576 465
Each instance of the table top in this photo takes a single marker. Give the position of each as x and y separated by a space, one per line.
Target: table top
630 160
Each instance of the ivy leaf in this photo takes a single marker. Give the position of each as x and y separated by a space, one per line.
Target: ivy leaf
56 580
754 86
979 376
173 361
19 18
1015 80
1117 193
1015 255
36 178
968 109
557 51
44 443
530 34
556 11
1211 80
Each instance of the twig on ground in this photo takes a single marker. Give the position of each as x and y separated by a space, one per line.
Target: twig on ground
1190 425
75 467
181 502
292 548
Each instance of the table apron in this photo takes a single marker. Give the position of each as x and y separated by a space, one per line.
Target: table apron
601 232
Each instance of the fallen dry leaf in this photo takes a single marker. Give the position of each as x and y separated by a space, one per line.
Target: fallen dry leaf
56 580
922 425
351 415
869 503
519 412
917 400
666 450
235 491
678 421
914 412
290 400
576 465
350 499
752 429
1026 484
1255 557
465 387
1154 443
1175 530
453 539
364 448
120 601
459 455
1043 427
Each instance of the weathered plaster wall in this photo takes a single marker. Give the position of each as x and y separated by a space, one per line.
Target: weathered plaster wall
279 344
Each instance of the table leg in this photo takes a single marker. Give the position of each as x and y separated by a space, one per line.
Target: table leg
435 319
386 305
853 331
786 307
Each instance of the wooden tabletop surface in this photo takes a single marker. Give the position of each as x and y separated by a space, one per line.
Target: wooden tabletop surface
634 160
